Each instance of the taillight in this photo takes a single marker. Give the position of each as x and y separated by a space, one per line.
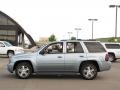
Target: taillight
107 57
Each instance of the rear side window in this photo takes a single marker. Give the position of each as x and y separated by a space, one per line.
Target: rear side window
94 47
74 47
112 46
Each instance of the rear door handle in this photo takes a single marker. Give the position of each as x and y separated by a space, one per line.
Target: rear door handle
81 56
59 56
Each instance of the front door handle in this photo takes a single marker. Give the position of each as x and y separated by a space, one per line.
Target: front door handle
59 56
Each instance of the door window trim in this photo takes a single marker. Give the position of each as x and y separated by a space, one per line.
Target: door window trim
52 44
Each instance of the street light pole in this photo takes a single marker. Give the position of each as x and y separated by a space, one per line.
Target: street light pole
92 29
116 23
77 29
92 25
116 7
69 33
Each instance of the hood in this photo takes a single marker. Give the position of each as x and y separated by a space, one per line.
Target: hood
23 55
16 47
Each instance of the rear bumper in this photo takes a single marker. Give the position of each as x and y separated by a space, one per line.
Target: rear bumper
104 65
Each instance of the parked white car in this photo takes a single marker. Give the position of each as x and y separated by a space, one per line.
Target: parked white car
8 49
113 50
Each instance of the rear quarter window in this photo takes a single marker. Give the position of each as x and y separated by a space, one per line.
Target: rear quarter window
112 46
94 47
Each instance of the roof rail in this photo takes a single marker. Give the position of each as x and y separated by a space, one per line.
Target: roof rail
79 40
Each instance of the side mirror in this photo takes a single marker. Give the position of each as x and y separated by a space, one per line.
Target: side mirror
42 52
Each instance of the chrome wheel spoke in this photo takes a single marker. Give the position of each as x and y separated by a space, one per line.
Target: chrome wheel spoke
88 68
89 72
92 70
27 69
23 67
23 71
21 74
19 70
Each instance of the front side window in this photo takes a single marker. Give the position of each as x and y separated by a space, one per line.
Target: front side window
56 48
74 47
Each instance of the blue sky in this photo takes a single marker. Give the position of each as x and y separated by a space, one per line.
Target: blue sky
41 18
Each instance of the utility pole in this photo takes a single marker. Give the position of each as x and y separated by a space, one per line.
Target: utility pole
69 34
116 7
77 29
92 26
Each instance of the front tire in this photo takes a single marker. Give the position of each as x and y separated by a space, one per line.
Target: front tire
88 71
10 53
23 70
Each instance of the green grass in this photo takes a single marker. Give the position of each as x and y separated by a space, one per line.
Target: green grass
109 39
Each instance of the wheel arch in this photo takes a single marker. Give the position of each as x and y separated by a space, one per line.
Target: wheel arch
112 53
90 61
28 61
10 50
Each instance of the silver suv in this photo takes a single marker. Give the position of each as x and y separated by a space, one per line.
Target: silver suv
85 58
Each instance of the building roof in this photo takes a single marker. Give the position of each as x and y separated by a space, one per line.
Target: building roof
20 28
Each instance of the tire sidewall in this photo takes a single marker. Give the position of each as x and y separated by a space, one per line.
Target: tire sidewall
10 52
23 64
86 65
113 57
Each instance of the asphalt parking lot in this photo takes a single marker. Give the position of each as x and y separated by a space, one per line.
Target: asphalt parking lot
108 80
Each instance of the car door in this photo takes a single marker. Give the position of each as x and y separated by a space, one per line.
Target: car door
51 58
2 48
73 56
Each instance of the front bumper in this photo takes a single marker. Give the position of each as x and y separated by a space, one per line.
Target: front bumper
105 65
10 67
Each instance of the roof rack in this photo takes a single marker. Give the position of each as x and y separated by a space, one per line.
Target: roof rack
79 40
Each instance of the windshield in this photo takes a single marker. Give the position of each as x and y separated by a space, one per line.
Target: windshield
8 44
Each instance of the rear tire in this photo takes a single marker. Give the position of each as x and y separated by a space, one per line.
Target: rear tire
88 71
23 70
112 58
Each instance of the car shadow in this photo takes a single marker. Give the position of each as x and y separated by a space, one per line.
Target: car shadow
55 77
49 77
118 61
3 56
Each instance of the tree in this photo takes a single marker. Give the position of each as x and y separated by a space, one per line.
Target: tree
73 38
52 38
